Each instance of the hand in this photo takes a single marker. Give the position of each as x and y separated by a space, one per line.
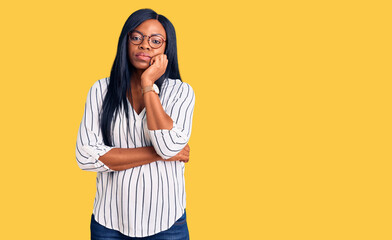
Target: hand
182 156
156 69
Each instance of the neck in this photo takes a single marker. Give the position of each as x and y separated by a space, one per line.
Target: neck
136 80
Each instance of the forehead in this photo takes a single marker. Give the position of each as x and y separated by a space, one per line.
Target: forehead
151 26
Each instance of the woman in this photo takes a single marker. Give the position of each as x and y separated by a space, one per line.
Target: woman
134 134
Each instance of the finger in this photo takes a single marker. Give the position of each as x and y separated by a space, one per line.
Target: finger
152 61
184 153
158 59
164 60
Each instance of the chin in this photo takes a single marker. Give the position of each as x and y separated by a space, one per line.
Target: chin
140 65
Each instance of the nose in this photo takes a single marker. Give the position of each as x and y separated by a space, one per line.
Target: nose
144 44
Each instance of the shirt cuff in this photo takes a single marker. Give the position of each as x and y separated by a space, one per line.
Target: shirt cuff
168 142
96 152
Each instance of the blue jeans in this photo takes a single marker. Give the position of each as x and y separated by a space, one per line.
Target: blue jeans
179 231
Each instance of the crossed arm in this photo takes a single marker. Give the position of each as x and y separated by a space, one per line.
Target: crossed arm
123 158
169 138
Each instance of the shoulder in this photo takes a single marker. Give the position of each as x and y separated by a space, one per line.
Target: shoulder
102 83
177 87
100 86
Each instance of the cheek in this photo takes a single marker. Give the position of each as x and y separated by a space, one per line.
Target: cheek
131 51
133 48
161 51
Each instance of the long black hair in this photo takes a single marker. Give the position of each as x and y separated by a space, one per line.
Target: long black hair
122 69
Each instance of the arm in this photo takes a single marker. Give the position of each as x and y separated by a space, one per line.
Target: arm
93 155
123 158
170 129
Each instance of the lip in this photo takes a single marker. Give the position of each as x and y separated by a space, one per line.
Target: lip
142 57
142 54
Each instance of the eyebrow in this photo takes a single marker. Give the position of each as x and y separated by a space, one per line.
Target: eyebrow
154 34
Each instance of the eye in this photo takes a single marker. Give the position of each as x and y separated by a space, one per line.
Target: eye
156 40
136 37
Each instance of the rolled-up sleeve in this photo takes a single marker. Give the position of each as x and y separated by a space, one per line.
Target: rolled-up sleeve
169 142
89 143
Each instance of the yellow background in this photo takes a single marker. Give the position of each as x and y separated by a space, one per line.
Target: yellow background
291 134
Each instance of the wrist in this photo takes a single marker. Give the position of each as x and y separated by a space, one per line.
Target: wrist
150 88
145 83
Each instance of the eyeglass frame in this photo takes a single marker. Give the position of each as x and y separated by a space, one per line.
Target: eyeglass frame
148 40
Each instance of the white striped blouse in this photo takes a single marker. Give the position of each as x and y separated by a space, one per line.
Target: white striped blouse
144 200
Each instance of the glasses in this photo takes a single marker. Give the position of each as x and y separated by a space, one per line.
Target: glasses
155 41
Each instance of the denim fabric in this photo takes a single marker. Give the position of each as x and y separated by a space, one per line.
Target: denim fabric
179 231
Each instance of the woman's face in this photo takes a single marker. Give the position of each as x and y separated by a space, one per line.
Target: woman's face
148 27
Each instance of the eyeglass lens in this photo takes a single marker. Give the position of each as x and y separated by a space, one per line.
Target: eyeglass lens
154 41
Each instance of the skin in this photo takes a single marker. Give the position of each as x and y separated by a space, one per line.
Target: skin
145 75
143 69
